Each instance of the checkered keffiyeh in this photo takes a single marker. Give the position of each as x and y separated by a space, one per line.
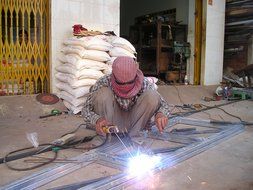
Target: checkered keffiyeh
126 77
125 103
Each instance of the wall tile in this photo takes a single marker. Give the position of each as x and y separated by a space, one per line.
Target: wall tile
86 15
74 10
108 16
214 43
60 9
213 67
111 15
98 2
111 27
219 5
97 12
112 3
62 29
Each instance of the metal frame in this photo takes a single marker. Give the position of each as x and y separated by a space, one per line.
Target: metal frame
190 145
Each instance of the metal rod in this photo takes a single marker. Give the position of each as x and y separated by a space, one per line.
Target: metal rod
124 144
121 180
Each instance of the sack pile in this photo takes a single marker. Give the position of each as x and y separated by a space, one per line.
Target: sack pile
83 61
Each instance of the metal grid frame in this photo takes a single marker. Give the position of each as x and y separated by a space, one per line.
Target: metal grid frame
108 155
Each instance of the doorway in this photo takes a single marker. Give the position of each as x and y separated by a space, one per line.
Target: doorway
159 33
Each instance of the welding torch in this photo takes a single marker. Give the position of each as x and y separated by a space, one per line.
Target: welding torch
110 129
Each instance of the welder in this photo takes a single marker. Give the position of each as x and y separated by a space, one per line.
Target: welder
126 99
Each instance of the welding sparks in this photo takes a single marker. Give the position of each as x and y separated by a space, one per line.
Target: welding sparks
142 164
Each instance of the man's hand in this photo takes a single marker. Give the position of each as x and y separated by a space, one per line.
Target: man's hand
161 121
102 122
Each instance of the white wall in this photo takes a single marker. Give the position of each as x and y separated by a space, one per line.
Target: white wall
213 43
191 40
102 15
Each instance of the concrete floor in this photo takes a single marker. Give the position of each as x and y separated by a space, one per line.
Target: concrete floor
227 166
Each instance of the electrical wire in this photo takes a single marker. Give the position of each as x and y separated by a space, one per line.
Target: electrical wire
27 168
75 130
224 111
86 148
71 144
183 114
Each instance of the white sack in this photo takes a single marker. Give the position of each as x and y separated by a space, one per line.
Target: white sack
107 71
74 41
73 82
78 50
79 74
86 54
96 55
70 98
76 92
153 80
111 61
72 108
96 43
118 51
123 43
79 63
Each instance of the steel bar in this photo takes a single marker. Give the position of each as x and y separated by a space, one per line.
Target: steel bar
107 155
123 180
197 132
173 138
45 176
112 161
166 150
78 185
197 122
50 174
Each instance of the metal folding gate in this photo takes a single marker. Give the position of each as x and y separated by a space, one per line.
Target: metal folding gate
190 136
24 63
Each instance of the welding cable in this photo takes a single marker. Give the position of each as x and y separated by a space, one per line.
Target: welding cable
71 144
86 148
27 168
24 154
241 121
10 157
183 114
223 111
85 139
75 130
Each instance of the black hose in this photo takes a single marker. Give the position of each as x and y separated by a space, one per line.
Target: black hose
9 157
184 114
27 168
24 154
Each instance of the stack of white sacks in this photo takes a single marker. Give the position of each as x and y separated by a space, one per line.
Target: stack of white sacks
83 61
